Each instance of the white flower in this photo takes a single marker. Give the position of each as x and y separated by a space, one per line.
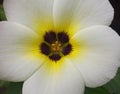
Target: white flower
58 46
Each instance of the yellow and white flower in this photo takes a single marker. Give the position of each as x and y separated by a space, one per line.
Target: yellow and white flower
58 46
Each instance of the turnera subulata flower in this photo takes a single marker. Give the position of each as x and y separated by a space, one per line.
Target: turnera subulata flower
58 46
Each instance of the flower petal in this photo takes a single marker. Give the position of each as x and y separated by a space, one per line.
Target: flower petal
33 13
67 81
101 57
17 50
82 13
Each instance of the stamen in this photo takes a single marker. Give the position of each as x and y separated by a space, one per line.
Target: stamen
55 45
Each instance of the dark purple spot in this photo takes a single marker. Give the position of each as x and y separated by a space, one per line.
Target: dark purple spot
45 49
67 49
63 37
55 57
50 37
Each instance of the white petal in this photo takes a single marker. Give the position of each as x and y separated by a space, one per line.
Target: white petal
101 59
67 81
82 13
63 11
33 13
17 62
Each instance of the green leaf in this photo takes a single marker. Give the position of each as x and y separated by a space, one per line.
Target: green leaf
2 13
14 88
4 84
99 90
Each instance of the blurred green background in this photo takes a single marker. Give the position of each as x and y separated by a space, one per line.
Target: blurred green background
113 87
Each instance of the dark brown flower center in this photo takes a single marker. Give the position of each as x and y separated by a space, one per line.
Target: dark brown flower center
55 45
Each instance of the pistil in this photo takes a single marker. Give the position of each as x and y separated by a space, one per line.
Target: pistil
56 47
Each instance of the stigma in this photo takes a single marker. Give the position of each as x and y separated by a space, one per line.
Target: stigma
56 47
